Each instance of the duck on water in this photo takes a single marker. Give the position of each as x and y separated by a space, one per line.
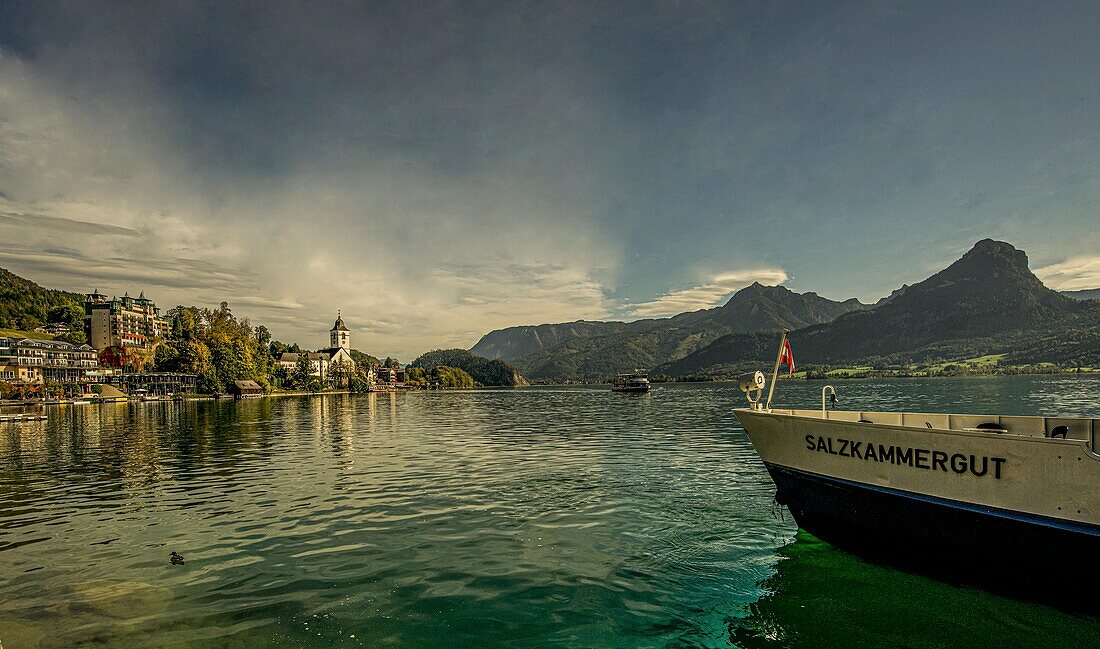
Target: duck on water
1005 499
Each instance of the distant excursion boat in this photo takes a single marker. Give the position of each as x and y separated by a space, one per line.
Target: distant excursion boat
1018 496
631 382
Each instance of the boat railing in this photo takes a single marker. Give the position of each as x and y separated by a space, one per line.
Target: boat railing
824 390
1069 428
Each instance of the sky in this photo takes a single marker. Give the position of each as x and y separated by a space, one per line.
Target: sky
438 170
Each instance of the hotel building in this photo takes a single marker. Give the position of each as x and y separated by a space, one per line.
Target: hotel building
27 360
126 322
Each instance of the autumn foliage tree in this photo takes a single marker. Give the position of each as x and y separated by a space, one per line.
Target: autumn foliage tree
216 346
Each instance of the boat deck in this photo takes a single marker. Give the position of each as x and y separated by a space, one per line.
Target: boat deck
1070 428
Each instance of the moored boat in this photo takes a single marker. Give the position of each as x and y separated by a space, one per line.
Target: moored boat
631 382
95 398
1013 497
21 417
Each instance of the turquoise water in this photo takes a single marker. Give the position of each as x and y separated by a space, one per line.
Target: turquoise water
523 518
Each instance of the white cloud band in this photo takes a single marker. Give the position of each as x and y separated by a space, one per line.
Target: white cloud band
706 295
1073 274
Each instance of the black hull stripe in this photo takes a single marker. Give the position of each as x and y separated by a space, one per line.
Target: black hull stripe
1074 527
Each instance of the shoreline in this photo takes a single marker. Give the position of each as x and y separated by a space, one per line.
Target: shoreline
840 375
860 376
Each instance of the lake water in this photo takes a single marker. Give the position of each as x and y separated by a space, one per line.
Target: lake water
557 517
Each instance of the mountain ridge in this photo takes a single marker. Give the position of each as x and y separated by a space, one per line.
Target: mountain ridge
987 295
592 350
1083 294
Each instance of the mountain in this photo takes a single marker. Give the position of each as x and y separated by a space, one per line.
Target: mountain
753 307
25 305
594 350
893 295
1085 294
988 301
517 342
758 307
485 371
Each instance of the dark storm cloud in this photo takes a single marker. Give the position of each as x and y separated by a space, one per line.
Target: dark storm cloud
506 163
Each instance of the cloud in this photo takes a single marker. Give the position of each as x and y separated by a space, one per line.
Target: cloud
437 173
73 226
1073 274
417 254
706 295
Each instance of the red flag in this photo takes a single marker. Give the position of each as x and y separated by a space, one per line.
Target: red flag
787 356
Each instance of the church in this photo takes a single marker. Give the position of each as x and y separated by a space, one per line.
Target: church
339 343
321 361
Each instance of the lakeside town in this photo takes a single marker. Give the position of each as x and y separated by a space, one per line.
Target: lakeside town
126 349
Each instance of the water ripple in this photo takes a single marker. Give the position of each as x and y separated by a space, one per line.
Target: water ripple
542 517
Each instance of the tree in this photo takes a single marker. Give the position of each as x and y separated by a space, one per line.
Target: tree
25 305
263 336
76 337
302 378
67 314
28 322
127 359
360 380
452 377
362 359
484 371
416 376
339 374
216 346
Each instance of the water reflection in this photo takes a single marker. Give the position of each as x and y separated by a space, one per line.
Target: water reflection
559 517
821 597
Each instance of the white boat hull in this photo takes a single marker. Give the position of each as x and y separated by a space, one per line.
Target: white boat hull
996 500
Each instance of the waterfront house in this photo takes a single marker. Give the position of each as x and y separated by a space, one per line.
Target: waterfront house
318 363
387 375
10 373
55 329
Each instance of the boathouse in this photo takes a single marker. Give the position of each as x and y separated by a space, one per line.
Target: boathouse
246 389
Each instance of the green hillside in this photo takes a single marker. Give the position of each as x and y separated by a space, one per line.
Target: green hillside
25 305
483 370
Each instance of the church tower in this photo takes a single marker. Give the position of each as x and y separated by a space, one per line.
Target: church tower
339 336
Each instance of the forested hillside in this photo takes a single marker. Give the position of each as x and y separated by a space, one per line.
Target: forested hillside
25 305
485 371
